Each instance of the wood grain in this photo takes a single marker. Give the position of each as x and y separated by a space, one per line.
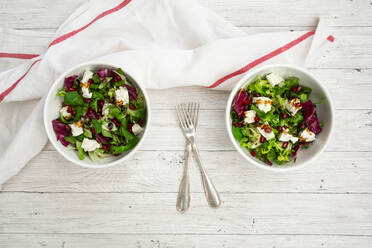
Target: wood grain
160 171
53 203
179 241
244 213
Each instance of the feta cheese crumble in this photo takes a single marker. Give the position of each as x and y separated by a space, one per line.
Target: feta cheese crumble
89 145
275 79
64 113
85 84
249 116
263 103
293 106
136 129
77 128
121 96
307 136
261 130
285 136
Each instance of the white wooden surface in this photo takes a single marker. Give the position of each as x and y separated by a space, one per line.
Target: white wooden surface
53 203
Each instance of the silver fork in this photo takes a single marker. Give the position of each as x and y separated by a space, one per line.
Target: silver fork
183 198
188 129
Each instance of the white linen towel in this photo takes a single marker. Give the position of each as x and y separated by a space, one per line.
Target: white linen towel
162 44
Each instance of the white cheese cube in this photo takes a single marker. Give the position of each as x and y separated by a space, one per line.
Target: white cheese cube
121 96
87 75
307 136
136 129
89 145
263 103
77 128
64 113
292 107
85 85
261 130
275 79
249 116
86 92
285 136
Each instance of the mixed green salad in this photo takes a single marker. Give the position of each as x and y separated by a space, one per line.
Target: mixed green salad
272 118
102 114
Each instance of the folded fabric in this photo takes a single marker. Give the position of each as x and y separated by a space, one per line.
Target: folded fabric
162 44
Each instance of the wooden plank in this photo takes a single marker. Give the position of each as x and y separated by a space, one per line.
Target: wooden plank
160 171
43 14
352 129
180 241
331 214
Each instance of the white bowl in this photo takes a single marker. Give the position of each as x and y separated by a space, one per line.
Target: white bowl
325 113
53 105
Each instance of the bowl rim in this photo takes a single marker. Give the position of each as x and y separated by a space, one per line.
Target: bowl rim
81 162
259 163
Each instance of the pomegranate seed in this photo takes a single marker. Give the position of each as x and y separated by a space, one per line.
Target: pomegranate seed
248 100
73 112
246 107
90 81
114 80
253 153
285 144
299 88
267 130
99 116
268 162
69 109
256 119
284 115
117 76
262 139
294 89
302 126
93 130
101 103
87 100
99 109
256 95
104 146
90 111
294 161
64 104
279 128
131 106
304 143
140 122
237 124
298 104
129 128
71 89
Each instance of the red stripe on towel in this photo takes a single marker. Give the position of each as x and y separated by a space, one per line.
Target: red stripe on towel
18 55
7 91
264 58
103 14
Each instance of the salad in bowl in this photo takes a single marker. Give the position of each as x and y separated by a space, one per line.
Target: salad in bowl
102 115
273 118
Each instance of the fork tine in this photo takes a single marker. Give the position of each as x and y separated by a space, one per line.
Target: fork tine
180 118
188 121
196 117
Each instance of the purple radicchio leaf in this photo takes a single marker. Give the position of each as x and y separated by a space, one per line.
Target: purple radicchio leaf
238 103
311 119
69 81
60 130
101 139
132 92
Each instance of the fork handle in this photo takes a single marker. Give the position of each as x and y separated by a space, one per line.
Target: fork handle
183 198
211 193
